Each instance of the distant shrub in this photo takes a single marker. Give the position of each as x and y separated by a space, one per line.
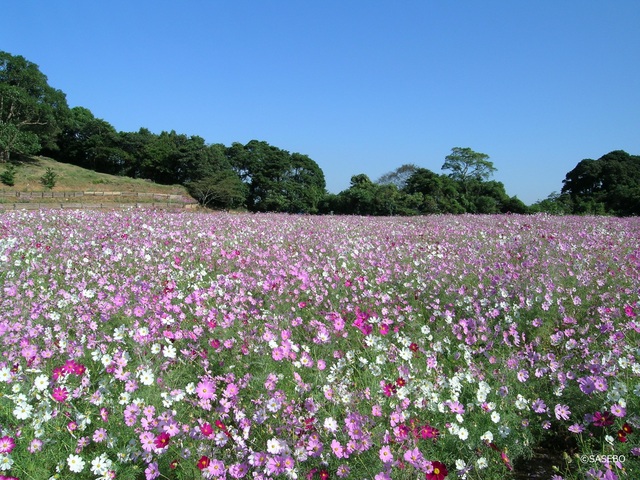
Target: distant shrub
8 176
49 178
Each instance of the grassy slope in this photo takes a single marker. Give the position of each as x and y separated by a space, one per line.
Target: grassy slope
72 178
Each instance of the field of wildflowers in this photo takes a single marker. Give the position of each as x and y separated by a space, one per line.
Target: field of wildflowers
152 345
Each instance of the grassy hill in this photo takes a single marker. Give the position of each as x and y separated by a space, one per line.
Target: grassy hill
73 178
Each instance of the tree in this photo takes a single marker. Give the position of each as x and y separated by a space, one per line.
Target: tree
360 197
31 111
277 181
610 184
364 197
491 197
8 177
554 204
440 193
49 178
399 176
91 143
222 189
134 144
172 158
465 165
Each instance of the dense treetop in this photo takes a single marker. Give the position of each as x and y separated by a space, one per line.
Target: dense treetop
35 119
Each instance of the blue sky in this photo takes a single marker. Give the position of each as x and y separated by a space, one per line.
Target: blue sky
358 86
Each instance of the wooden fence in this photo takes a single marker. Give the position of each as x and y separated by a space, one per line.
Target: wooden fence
96 206
163 197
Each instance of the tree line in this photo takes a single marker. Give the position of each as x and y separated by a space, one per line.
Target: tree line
35 119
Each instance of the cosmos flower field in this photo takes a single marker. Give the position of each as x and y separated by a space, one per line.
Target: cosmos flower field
140 345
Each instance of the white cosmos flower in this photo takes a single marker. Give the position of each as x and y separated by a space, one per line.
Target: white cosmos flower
41 382
6 462
101 465
106 360
487 436
169 351
330 424
146 377
23 411
273 446
76 463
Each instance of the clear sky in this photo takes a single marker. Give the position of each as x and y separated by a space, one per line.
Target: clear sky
360 86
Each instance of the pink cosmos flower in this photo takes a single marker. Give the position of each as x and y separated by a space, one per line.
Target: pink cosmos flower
216 468
562 412
618 410
277 354
100 435
231 390
337 448
35 445
275 465
238 470
152 471
343 471
147 441
576 428
456 407
539 406
205 389
414 456
385 454
587 385
600 384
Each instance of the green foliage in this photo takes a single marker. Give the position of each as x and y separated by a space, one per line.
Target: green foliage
90 142
15 140
49 178
608 185
277 181
554 204
222 189
465 164
364 197
8 176
31 111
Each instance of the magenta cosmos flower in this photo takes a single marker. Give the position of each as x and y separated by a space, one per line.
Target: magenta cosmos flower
7 444
60 394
